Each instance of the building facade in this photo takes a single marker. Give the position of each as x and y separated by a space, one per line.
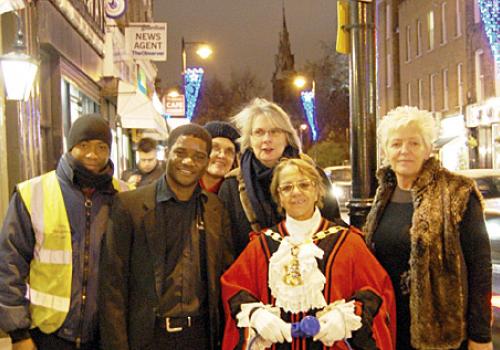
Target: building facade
76 66
435 55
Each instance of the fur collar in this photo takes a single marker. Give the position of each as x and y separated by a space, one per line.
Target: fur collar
438 279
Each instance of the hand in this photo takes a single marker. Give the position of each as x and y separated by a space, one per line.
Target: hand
338 324
472 345
134 179
25 344
270 327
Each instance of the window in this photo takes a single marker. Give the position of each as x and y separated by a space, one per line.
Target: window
408 94
443 23
419 37
458 18
460 83
432 88
388 21
389 70
477 14
430 29
408 43
445 89
420 94
479 77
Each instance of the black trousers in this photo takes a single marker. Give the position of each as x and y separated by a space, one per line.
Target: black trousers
53 342
196 337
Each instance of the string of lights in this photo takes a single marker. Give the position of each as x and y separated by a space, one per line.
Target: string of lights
490 15
192 83
307 98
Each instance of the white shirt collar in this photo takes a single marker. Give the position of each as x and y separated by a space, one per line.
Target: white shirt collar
300 230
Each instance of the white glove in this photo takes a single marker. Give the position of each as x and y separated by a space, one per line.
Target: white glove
270 327
338 323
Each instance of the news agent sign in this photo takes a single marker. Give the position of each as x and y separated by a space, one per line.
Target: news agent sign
147 41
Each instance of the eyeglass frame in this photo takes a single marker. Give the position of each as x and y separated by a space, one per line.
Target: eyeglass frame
273 132
310 185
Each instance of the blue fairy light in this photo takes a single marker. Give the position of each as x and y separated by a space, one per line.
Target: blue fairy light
192 83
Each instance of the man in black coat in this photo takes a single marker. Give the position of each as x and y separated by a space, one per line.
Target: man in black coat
167 245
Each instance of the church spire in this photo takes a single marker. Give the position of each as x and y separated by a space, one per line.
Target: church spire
284 60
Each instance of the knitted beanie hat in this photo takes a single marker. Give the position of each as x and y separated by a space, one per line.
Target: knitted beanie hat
223 129
89 127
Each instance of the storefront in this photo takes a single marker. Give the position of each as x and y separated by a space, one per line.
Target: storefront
483 123
452 143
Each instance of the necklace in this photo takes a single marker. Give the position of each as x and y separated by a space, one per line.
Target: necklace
292 275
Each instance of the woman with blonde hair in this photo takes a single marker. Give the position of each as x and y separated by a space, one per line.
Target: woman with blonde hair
426 228
267 135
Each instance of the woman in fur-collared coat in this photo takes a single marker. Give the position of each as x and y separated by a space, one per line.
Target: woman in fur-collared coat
427 229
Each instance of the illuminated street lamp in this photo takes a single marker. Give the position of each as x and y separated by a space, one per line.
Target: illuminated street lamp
18 68
308 98
193 76
204 51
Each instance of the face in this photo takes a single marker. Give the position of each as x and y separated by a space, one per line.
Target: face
267 141
93 154
222 157
147 161
298 194
406 152
187 162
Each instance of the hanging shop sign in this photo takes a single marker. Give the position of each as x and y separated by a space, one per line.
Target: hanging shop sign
174 105
147 41
115 8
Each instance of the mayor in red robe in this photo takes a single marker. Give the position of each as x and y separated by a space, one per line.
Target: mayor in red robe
351 274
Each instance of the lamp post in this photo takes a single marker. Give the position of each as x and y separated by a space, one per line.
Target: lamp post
18 68
302 129
192 76
204 51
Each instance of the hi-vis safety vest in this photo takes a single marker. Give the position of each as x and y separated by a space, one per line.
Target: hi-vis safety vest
49 284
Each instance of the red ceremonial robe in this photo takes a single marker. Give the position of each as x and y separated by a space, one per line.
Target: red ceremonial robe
351 272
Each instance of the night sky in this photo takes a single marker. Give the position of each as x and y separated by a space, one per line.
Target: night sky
243 33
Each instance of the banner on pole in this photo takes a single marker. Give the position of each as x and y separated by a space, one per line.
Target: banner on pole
147 41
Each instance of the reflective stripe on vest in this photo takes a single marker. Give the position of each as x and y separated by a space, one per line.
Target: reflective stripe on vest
49 288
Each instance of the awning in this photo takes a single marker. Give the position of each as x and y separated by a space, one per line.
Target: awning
136 111
11 5
440 142
174 122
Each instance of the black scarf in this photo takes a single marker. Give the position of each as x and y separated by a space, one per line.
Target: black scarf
257 178
84 178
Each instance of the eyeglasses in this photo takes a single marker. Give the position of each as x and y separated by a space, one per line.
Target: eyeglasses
304 186
271 132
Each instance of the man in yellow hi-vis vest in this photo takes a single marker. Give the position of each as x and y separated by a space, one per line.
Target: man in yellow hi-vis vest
50 245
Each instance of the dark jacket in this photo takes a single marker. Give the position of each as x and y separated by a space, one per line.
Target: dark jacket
445 283
229 194
17 241
132 267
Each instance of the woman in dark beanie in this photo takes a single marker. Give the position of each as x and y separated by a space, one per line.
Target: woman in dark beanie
267 135
51 236
223 156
